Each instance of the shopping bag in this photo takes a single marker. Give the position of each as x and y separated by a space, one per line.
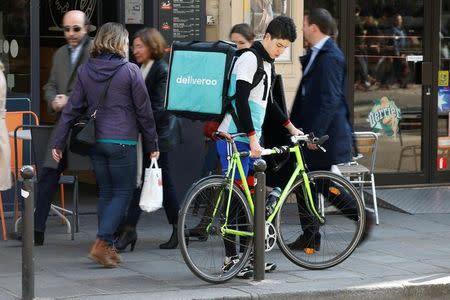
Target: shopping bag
152 189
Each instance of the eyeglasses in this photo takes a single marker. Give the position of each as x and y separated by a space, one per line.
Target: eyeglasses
74 28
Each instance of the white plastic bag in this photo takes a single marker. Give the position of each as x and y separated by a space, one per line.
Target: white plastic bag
152 189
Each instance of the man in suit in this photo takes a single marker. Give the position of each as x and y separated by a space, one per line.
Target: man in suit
66 61
320 107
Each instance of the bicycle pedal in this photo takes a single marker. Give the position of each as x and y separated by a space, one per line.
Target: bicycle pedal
309 251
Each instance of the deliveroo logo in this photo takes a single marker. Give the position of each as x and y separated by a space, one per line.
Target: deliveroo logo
195 81
384 117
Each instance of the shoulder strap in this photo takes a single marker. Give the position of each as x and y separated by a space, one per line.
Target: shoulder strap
105 91
260 73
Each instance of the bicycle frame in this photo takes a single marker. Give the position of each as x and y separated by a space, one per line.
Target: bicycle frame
235 162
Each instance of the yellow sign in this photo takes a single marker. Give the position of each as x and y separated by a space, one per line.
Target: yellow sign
443 78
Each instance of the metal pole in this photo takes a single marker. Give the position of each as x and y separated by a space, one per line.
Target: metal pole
35 55
27 173
260 219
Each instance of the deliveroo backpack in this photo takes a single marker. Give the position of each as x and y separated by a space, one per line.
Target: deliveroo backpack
199 83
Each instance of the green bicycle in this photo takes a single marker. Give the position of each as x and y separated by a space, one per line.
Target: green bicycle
317 221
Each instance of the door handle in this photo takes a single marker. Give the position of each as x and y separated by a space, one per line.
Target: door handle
428 90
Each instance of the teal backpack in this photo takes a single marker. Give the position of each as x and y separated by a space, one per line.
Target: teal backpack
199 83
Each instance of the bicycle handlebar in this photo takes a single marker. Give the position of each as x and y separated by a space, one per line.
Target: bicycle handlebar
309 138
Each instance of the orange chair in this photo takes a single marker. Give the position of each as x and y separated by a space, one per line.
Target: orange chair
13 120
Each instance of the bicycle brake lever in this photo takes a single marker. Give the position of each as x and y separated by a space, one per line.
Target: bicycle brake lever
321 148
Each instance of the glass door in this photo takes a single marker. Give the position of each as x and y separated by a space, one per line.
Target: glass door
441 138
389 92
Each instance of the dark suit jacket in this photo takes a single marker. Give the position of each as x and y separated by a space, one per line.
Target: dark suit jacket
167 125
63 75
323 109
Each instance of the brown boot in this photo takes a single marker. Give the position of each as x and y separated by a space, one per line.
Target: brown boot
114 255
101 253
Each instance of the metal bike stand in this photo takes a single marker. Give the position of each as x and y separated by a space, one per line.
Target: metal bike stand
260 219
27 173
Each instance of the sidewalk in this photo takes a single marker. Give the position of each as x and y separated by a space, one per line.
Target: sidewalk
408 256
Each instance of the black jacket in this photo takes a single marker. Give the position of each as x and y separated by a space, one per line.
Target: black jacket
167 125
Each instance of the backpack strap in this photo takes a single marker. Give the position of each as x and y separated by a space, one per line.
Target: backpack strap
260 73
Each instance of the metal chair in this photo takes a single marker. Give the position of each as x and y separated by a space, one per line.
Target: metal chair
40 138
360 171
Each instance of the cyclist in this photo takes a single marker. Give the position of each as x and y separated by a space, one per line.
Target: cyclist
250 107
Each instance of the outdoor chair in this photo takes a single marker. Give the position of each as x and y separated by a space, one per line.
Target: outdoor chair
40 138
360 171
13 120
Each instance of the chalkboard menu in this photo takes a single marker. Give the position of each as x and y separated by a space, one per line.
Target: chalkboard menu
181 20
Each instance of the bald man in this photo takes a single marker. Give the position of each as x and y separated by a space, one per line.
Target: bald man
63 74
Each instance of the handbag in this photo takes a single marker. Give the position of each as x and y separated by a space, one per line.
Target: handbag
82 136
152 190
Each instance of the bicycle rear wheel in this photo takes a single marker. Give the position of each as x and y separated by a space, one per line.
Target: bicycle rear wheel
312 244
202 243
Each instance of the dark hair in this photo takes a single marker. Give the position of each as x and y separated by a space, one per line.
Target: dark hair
322 19
153 40
245 30
282 27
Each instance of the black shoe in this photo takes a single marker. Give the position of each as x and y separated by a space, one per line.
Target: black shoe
173 241
127 237
38 238
367 231
306 242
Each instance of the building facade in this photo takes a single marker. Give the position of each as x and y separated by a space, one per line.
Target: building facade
397 57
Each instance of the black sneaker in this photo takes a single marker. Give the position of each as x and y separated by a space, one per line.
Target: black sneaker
229 262
269 266
246 272
306 242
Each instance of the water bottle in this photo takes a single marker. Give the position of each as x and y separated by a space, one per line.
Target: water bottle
272 200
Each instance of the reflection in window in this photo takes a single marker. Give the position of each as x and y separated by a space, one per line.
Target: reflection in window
15 45
387 86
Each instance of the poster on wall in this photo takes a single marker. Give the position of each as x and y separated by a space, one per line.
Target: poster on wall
384 117
134 12
259 13
181 20
443 99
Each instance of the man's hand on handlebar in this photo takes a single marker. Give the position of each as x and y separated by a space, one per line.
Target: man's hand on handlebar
255 147
293 130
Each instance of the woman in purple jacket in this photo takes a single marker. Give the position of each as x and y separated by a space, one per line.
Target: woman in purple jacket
125 111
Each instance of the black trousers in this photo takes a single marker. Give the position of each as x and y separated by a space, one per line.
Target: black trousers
309 223
46 188
170 202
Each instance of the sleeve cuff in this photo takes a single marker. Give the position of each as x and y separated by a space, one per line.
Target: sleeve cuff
251 133
287 122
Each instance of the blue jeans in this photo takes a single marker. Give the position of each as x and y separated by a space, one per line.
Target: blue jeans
115 170
247 162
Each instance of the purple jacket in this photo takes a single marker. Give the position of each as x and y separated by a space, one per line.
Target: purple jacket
126 109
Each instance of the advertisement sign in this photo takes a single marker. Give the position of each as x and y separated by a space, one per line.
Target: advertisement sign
384 117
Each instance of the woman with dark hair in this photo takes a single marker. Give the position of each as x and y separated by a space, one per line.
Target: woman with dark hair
148 50
123 113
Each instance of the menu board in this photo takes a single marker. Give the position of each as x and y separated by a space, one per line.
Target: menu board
181 20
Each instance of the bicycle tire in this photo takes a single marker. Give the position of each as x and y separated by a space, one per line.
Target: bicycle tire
204 254
335 239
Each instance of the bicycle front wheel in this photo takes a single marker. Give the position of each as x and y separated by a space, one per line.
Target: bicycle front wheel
210 253
324 240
